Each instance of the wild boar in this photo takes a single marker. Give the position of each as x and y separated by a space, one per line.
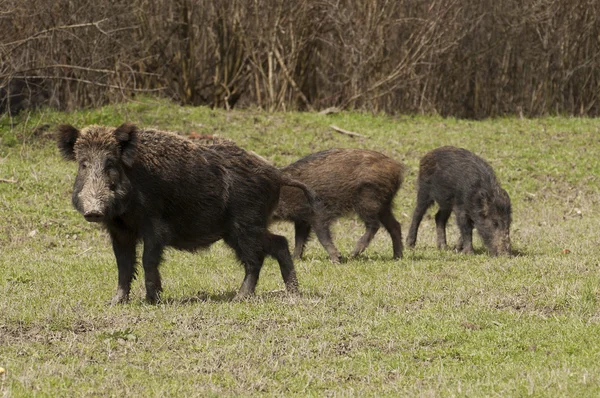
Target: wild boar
460 181
344 180
165 191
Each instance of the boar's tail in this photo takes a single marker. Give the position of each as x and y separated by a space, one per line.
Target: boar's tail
310 195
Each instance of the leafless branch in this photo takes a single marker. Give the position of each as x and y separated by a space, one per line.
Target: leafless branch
74 79
56 28
346 132
74 67
290 79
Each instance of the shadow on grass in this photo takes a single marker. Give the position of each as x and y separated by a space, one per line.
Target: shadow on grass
432 253
449 254
200 297
225 297
522 253
376 257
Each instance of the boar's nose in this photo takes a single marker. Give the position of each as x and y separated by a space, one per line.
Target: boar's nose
505 251
94 216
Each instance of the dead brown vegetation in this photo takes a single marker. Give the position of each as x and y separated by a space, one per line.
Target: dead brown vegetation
452 57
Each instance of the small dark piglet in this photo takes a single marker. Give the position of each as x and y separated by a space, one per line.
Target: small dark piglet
344 180
460 181
166 191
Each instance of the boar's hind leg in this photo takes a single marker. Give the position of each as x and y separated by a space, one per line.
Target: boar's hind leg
423 203
465 225
277 247
248 247
150 260
393 227
124 248
302 231
367 204
324 234
365 239
441 219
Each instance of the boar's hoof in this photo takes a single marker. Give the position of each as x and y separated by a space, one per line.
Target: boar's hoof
152 297
292 288
241 297
119 298
336 259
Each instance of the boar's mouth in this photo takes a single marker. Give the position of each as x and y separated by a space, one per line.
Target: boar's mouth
497 242
101 208
94 216
504 252
502 248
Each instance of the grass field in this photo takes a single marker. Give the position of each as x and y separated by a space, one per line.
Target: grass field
432 324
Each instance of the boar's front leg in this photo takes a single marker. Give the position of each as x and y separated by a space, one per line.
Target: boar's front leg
151 258
423 203
323 233
123 243
465 225
441 219
366 238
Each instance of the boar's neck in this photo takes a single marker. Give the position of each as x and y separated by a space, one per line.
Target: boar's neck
175 183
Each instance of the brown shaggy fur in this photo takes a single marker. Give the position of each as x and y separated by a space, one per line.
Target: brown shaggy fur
345 180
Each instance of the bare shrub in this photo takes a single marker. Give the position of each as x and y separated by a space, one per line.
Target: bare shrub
452 57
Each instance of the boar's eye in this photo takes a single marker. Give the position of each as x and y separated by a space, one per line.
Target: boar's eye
83 165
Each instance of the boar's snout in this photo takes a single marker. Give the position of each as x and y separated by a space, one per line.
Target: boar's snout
94 216
94 200
501 245
506 250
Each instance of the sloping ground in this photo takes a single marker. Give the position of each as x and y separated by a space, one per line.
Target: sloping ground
433 324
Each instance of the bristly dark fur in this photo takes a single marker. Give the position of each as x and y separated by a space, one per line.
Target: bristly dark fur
344 180
460 181
166 191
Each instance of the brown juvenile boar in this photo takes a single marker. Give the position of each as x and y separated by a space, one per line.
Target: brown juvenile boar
165 191
460 181
345 180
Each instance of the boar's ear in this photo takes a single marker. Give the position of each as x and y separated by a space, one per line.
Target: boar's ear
126 135
66 135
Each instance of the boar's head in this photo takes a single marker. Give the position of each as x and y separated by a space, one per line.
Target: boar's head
493 220
102 190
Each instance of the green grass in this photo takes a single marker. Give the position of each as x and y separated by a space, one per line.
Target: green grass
433 324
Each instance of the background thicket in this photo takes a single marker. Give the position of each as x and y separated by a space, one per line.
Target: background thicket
451 57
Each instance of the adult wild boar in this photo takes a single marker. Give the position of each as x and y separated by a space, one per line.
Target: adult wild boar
164 190
460 181
345 180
